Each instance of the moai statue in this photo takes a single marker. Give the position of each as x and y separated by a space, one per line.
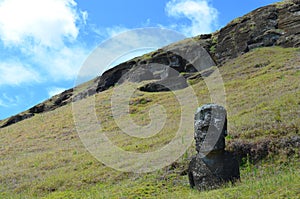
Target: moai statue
212 166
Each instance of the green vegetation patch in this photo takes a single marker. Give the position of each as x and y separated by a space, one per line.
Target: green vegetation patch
43 157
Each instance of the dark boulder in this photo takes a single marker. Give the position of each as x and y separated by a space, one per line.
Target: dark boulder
112 76
40 108
137 74
167 84
16 118
213 170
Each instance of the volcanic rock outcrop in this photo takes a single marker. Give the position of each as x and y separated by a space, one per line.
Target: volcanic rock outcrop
273 25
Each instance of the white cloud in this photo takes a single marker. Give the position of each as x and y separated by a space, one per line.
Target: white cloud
108 32
55 90
3 104
60 64
44 33
6 101
84 15
115 30
203 17
14 73
47 22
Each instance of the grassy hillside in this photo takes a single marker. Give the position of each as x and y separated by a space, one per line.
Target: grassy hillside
44 157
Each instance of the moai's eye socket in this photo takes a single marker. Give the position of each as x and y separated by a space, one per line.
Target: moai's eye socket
204 128
202 115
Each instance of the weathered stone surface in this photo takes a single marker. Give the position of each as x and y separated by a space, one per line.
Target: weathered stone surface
137 74
169 72
213 170
17 118
168 84
112 76
81 95
63 98
200 176
212 166
210 128
273 25
40 108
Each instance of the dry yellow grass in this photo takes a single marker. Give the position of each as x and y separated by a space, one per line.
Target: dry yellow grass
43 155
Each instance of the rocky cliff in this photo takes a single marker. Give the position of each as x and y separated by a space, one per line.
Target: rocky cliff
277 24
273 25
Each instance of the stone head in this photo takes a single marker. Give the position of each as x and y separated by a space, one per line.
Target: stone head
210 128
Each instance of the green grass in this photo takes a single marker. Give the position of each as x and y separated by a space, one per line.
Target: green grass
43 157
268 180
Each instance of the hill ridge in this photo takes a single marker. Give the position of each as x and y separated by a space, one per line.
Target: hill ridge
273 25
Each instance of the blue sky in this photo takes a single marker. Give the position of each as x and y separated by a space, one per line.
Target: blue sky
43 43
